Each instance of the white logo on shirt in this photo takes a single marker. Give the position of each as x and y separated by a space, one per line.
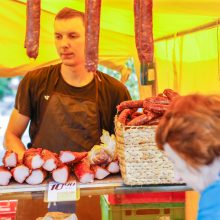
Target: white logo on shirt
46 97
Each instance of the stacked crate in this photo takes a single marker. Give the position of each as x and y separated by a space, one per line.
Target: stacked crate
144 206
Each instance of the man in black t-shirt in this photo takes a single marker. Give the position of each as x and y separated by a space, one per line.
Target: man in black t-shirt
66 105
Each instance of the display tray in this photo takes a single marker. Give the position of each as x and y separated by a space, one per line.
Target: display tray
112 180
112 184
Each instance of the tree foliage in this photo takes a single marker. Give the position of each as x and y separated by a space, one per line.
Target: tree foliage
131 83
5 88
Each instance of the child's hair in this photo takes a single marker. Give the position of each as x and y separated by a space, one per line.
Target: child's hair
191 126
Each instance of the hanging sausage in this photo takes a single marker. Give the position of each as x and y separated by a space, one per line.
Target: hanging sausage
92 27
137 27
144 35
32 28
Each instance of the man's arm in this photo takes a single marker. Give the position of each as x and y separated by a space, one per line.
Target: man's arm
16 127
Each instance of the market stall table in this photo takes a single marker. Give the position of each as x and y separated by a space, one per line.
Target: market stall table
110 185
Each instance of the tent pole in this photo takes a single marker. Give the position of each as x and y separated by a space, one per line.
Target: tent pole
189 31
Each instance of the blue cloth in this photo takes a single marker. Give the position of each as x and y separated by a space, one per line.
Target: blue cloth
209 204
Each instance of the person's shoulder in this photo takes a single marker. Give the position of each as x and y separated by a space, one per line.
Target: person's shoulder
42 73
111 82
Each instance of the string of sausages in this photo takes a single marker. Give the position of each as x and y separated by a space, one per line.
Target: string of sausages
92 28
32 28
144 30
153 109
144 35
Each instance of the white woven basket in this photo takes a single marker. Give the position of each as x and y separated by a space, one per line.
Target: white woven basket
141 162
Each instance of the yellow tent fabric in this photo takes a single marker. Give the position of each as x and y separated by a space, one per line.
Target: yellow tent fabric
13 57
189 63
197 63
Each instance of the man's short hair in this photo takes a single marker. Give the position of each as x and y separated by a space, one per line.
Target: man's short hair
67 13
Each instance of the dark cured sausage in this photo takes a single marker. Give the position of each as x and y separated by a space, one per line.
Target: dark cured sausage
92 27
136 114
147 45
137 27
130 104
123 117
154 121
170 94
156 115
156 108
32 28
144 30
159 100
141 120
144 36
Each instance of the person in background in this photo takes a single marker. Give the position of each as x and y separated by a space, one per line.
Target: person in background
189 133
67 106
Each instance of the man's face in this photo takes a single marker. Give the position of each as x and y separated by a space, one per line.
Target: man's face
70 40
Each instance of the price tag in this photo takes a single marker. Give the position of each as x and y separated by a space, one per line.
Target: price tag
62 191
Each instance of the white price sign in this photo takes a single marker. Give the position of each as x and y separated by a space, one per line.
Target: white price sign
62 191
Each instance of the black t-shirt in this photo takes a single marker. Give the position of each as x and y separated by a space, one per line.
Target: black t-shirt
84 91
37 86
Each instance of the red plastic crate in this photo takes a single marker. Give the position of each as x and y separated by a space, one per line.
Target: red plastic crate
146 197
8 216
8 210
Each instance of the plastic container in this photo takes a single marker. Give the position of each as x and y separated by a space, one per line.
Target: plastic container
8 210
8 216
146 197
154 211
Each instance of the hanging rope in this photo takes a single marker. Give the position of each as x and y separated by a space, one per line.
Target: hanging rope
189 31
174 63
181 39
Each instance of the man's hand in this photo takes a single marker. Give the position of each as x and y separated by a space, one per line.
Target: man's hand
16 127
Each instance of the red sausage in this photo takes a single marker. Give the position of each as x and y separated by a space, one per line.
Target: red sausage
156 108
32 28
144 30
130 104
137 24
170 94
136 114
159 100
141 120
154 121
92 27
123 117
